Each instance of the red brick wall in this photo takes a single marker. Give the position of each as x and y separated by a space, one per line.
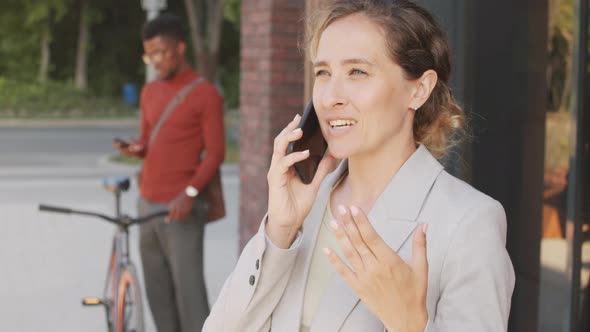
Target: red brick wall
271 94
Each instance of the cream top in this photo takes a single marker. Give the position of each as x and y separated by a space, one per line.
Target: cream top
320 270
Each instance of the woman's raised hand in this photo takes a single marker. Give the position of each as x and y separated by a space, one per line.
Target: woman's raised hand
289 199
395 291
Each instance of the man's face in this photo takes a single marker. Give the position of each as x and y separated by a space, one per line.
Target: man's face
166 54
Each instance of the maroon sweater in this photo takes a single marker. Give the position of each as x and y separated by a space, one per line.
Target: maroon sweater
196 124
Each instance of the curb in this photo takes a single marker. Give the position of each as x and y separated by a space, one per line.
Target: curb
105 161
88 123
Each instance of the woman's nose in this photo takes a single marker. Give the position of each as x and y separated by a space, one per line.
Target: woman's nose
332 95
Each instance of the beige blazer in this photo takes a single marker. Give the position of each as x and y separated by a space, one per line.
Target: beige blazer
470 279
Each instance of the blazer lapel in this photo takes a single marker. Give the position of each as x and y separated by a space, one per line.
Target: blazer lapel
394 216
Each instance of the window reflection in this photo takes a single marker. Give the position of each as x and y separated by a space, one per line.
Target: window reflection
554 297
558 131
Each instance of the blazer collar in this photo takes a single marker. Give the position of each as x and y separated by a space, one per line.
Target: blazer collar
405 194
403 197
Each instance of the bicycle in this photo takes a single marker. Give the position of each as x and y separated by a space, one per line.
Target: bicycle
122 298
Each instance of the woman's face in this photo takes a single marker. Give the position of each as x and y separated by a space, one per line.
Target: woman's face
361 96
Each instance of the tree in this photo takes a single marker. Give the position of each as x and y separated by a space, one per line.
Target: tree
81 73
89 15
205 20
41 15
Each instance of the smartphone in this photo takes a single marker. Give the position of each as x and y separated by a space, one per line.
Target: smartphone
312 140
124 144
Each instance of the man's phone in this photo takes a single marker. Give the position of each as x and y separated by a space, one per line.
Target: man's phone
122 143
312 140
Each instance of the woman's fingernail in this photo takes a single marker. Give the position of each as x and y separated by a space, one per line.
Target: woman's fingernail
424 228
297 130
305 152
327 251
342 210
354 210
296 116
334 225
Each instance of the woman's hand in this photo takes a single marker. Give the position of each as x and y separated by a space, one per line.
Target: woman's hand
392 289
289 199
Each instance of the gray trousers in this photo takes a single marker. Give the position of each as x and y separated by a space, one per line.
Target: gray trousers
172 259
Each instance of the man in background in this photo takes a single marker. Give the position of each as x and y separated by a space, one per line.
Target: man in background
174 176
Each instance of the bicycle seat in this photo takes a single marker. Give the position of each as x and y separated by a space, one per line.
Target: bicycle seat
116 183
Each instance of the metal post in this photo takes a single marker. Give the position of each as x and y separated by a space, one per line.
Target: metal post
117 204
153 8
574 194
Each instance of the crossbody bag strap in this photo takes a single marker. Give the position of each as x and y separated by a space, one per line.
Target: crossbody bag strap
172 105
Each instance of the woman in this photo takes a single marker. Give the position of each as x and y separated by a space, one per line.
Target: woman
349 251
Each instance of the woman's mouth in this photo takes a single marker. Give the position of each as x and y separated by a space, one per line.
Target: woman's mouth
342 123
341 127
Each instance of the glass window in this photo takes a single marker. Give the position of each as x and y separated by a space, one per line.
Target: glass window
565 249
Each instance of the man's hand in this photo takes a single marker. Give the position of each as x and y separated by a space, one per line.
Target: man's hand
179 208
131 149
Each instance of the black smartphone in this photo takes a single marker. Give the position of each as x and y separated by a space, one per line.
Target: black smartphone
312 140
124 144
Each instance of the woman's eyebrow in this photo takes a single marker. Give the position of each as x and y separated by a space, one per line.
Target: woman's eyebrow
320 64
354 61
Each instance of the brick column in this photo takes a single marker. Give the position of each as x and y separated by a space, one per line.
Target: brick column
271 94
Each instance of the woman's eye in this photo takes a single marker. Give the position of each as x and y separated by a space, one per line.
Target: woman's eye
321 73
357 72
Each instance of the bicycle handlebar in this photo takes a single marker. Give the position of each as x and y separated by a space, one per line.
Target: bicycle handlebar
123 220
55 209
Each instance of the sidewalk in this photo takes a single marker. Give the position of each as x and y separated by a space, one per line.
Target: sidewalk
64 123
60 259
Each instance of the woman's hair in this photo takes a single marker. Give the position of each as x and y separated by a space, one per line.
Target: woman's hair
417 43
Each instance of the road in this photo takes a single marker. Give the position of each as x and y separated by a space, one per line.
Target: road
49 262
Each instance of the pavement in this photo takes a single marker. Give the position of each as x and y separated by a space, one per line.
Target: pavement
49 261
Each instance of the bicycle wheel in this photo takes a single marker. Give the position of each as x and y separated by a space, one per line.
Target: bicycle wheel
110 291
129 302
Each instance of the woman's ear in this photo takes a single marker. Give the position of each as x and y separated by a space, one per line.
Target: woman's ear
424 86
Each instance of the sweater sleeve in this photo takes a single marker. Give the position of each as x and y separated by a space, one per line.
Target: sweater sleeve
145 126
213 138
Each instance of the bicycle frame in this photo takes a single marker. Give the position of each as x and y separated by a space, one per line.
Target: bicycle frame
118 261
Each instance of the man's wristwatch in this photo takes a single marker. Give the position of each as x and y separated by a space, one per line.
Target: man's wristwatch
191 191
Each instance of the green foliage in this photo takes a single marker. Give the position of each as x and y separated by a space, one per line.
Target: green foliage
565 16
39 12
559 73
230 83
231 11
55 100
19 44
114 56
229 71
